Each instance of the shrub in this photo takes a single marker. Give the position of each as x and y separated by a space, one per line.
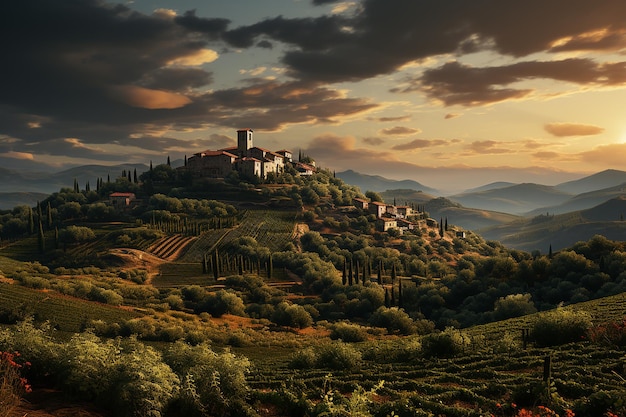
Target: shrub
395 320
143 384
212 383
291 315
338 355
560 326
448 343
303 359
513 305
348 332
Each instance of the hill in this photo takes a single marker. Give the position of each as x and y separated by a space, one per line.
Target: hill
562 230
377 183
582 201
10 200
47 183
443 208
515 199
601 180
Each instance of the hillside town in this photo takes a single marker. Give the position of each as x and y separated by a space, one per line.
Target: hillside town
245 158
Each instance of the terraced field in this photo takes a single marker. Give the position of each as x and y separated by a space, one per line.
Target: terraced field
170 247
66 313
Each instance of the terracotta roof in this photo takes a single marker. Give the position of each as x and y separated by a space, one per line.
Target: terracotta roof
122 195
216 153
250 159
378 203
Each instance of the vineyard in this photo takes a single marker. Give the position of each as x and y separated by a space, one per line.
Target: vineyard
170 247
65 313
494 376
268 227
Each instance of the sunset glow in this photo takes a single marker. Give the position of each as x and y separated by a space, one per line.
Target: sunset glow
522 91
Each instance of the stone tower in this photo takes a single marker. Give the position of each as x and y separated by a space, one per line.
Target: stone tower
244 142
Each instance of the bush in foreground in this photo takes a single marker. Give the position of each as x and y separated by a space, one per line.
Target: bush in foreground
560 326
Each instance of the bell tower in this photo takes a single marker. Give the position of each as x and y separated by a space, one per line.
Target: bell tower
244 142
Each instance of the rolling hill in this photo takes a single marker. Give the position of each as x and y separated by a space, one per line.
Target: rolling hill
377 183
562 230
605 179
440 207
516 199
583 201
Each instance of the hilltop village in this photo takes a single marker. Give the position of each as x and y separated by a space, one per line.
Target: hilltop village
245 158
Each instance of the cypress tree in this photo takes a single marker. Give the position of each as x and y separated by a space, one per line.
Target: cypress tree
108 179
380 273
344 273
185 160
550 252
31 221
56 238
270 267
216 266
87 187
356 271
135 180
41 239
393 297
350 273
400 302
168 161
129 180
364 276
393 274
387 298
49 213
446 226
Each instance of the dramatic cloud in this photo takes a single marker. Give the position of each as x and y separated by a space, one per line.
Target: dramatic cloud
385 38
456 83
572 129
400 131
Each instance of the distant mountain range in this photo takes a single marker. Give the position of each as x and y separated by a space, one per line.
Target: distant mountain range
20 187
377 183
562 230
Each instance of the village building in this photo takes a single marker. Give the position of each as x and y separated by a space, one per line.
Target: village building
121 201
244 158
377 208
385 223
361 203
402 212
404 224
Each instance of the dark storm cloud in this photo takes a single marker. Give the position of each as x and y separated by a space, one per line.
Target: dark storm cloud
308 33
103 73
379 38
211 27
455 83
322 2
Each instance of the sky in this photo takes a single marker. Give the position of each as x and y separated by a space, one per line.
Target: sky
450 93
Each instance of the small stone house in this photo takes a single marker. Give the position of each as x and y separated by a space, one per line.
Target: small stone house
121 201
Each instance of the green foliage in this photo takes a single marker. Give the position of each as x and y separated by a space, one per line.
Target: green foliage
76 234
393 319
213 384
560 326
513 305
292 315
348 332
451 342
334 355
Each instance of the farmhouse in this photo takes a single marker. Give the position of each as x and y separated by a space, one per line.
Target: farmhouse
385 223
244 158
121 201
